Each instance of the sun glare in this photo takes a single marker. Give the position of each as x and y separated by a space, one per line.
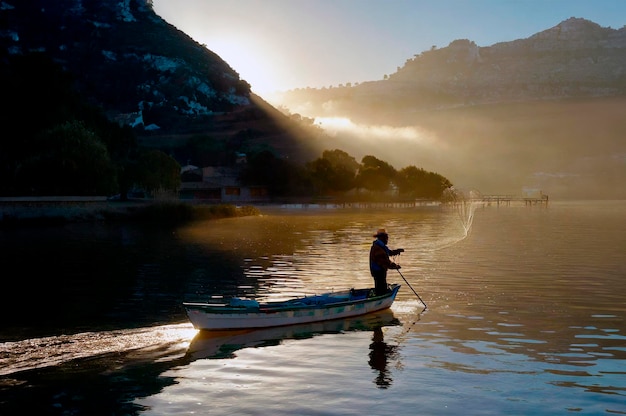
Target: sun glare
247 59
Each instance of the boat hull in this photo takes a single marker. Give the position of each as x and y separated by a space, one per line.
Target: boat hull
207 317
222 343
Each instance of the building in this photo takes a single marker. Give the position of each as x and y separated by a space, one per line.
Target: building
219 184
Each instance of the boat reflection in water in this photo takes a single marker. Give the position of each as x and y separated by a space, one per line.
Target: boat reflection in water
223 344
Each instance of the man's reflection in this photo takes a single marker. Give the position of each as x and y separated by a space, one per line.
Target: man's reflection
379 355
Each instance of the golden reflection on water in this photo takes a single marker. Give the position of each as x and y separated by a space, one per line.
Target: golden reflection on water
527 291
294 253
526 276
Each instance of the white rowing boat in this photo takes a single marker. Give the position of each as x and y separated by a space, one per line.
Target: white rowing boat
242 313
223 344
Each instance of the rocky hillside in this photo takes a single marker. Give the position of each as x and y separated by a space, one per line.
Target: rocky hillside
575 58
143 71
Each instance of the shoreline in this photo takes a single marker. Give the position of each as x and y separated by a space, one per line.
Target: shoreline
23 211
58 210
17 212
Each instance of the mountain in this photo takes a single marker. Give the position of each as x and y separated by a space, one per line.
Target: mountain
576 58
573 59
146 73
546 112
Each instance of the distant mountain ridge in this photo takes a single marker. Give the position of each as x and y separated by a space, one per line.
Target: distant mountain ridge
576 58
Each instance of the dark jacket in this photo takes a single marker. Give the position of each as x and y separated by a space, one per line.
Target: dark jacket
379 257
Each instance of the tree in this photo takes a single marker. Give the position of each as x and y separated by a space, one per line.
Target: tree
375 175
335 171
158 171
43 155
281 177
320 171
68 159
418 183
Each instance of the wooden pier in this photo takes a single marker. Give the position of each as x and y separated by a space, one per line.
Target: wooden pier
507 200
416 203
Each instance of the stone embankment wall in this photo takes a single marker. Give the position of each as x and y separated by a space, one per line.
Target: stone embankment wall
19 209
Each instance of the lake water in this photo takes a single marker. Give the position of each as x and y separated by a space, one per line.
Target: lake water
525 315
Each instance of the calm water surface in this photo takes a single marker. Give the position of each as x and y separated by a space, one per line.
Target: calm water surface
526 315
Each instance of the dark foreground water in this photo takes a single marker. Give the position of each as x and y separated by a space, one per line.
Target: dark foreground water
526 315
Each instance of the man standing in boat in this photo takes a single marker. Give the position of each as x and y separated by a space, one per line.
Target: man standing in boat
380 262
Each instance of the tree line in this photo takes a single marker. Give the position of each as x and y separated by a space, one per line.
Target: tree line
337 174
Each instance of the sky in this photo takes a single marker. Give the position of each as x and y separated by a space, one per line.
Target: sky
278 45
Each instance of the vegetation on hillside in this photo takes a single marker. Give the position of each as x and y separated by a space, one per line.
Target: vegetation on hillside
59 144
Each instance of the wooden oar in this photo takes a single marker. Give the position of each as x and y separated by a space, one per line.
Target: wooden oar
418 296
